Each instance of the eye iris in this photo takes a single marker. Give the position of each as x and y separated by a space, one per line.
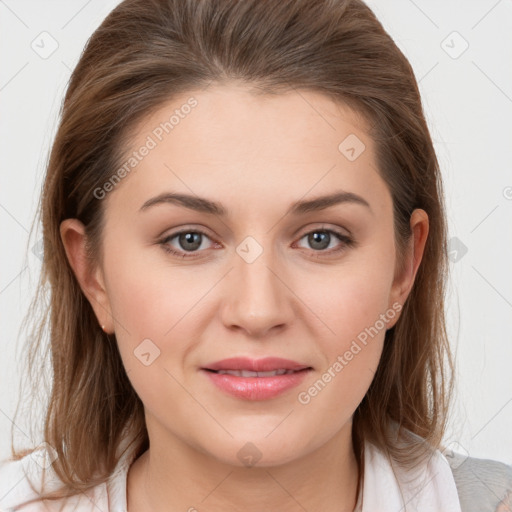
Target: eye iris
319 236
190 238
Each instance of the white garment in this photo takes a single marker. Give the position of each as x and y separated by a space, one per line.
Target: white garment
428 488
432 490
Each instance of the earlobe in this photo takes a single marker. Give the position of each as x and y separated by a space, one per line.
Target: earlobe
90 279
404 282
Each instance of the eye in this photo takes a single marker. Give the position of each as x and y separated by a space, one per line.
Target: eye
321 239
188 241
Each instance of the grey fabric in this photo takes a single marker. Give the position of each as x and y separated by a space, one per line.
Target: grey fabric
483 485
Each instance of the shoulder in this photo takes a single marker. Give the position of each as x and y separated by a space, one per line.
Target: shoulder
23 480
483 484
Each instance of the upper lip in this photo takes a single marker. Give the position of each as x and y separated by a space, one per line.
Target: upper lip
256 365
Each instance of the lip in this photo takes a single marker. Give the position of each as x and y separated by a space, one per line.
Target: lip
256 365
256 388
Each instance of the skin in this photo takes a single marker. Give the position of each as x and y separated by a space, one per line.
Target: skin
256 156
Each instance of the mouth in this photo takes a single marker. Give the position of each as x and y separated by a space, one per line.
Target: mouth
256 367
249 373
255 385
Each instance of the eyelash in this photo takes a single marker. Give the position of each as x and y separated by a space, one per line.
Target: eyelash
347 242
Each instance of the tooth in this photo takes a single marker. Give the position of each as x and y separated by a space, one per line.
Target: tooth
249 373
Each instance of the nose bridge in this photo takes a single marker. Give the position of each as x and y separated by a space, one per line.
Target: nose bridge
258 299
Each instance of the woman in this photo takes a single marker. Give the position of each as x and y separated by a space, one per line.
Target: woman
245 243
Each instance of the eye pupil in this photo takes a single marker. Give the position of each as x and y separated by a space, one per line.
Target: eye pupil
321 237
190 238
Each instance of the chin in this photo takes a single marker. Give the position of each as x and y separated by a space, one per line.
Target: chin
259 451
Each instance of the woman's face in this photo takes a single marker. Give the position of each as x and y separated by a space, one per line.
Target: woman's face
266 277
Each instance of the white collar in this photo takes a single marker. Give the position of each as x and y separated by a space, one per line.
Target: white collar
388 487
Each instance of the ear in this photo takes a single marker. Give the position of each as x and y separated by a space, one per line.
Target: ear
404 281
90 279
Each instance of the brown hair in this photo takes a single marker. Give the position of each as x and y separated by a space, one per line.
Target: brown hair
143 54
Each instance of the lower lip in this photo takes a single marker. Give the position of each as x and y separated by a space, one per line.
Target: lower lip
256 388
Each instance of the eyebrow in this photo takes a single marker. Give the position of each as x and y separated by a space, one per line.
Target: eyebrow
204 205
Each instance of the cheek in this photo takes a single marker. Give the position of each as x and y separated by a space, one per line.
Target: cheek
353 345
151 308
353 297
353 305
147 299
354 308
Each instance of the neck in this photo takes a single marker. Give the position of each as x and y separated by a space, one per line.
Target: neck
173 476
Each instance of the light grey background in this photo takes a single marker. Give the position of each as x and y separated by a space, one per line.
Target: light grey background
467 95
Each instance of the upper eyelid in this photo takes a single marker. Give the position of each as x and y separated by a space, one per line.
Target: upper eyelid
204 231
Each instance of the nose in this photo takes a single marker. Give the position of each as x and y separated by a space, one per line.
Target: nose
257 296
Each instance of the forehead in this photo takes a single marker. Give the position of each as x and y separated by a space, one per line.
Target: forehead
231 117
226 139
